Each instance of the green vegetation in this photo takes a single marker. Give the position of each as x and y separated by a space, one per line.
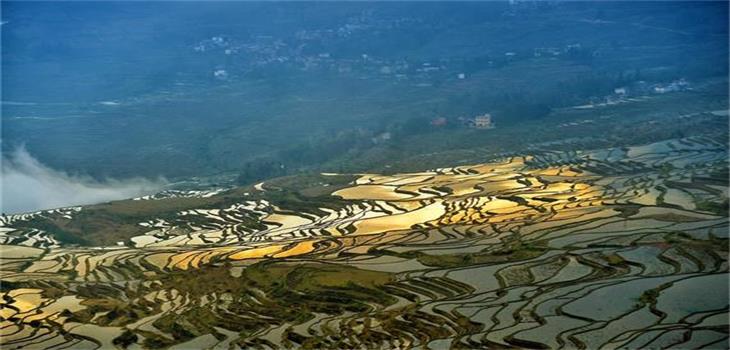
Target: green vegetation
291 293
615 260
514 251
720 207
60 233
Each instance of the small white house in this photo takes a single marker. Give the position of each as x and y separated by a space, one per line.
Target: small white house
483 121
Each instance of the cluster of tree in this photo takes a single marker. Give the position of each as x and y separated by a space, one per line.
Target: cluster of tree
308 154
260 169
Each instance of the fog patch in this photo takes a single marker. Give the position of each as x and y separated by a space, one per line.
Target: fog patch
27 185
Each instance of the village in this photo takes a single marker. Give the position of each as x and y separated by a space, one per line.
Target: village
312 50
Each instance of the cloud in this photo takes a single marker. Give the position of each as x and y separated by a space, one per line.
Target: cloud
27 185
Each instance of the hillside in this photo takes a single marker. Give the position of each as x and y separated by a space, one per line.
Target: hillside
520 252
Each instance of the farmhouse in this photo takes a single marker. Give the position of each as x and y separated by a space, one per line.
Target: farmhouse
483 121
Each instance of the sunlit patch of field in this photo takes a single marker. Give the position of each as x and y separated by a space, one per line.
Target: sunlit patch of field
374 192
257 253
617 250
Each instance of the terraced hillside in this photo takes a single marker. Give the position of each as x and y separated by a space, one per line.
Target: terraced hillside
597 249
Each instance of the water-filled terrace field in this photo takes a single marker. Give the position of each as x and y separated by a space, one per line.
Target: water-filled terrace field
612 248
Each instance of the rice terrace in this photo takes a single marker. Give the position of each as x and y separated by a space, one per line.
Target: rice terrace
440 175
523 252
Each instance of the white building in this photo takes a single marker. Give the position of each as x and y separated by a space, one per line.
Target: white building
483 121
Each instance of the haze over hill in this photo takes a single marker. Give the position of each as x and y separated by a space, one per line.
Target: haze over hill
256 90
27 185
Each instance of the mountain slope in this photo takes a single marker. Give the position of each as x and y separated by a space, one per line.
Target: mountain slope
523 252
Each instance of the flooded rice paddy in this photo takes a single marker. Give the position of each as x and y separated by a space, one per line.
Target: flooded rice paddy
596 249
